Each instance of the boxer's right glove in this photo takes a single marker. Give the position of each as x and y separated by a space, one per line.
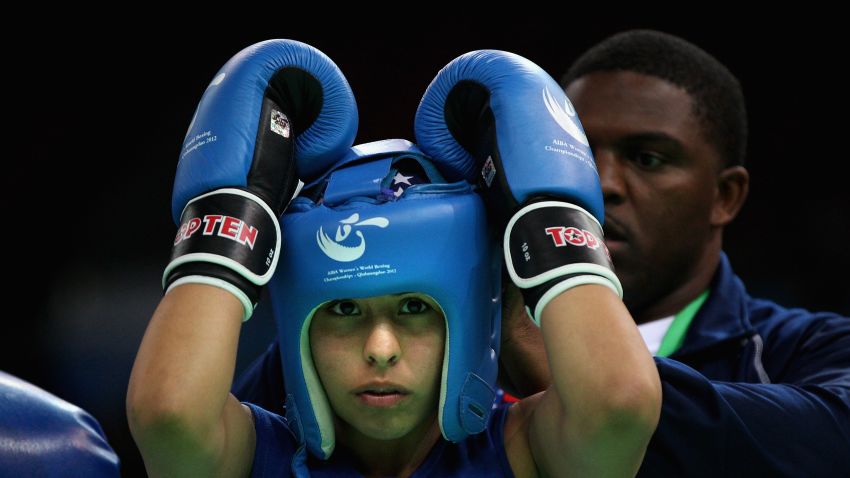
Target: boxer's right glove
498 119
277 112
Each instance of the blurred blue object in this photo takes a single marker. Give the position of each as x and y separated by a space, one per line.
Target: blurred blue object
42 435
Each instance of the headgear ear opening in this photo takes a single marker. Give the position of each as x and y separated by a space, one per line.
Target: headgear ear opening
385 223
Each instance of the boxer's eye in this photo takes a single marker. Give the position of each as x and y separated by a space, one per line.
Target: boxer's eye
413 305
344 308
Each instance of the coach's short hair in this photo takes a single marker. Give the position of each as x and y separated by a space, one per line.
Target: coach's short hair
718 101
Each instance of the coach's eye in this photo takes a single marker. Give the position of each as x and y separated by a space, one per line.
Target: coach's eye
345 307
413 305
648 160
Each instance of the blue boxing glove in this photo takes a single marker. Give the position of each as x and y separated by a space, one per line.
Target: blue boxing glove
498 119
278 112
43 435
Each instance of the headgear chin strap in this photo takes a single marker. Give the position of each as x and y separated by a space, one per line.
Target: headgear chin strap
357 233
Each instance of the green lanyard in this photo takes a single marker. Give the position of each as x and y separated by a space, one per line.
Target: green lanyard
676 333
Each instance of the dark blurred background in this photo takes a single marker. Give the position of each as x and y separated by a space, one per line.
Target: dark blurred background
103 109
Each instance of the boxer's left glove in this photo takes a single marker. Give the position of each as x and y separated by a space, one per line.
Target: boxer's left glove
278 112
496 118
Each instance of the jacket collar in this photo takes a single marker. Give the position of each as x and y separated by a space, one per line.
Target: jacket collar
723 316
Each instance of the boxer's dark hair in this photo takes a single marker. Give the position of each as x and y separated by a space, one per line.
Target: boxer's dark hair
718 101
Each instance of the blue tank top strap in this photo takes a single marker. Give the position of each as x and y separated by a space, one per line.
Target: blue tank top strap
480 455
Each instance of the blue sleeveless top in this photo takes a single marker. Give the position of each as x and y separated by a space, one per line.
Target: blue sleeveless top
277 453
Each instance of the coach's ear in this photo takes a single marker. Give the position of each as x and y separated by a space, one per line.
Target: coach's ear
733 185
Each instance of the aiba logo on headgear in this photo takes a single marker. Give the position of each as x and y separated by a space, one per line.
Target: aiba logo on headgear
573 236
334 248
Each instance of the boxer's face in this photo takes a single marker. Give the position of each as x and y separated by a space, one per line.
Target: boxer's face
380 362
658 175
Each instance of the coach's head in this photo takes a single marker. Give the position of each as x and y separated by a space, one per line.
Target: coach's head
668 127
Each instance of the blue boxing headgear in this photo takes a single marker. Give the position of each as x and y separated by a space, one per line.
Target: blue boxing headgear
350 235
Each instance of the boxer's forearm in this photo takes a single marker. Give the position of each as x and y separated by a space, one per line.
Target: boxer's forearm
185 365
604 377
